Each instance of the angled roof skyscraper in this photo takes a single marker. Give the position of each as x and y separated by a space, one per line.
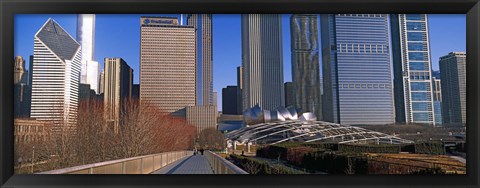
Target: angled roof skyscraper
55 76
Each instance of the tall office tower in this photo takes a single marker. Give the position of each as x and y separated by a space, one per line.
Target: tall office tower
215 98
240 86
203 117
356 69
305 63
453 76
30 71
102 82
204 56
167 63
437 98
20 74
262 61
118 88
56 76
240 77
289 94
412 69
230 96
90 69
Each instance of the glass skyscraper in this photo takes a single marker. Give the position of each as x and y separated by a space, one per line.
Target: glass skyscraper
90 69
357 76
305 63
453 75
412 69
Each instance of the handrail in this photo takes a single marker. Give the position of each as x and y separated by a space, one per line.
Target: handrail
222 166
135 165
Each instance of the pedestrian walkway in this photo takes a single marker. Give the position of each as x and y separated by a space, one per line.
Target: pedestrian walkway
196 164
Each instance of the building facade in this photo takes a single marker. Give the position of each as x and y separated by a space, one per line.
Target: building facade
262 61
204 56
412 69
240 86
90 69
230 96
55 76
356 64
118 88
453 76
202 117
305 63
21 89
289 94
167 64
437 99
27 130
19 73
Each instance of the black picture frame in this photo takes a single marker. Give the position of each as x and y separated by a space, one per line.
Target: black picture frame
8 8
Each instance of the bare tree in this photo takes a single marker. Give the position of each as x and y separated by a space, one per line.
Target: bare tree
210 138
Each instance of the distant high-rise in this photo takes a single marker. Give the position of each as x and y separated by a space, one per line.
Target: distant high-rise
453 76
230 96
86 35
240 86
118 88
305 63
289 94
215 98
90 69
167 63
202 117
102 82
437 99
204 50
55 76
262 61
357 78
412 69
20 74
136 91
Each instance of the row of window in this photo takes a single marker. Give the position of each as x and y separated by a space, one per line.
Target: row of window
362 48
363 86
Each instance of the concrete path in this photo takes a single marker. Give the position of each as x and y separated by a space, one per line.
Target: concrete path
196 164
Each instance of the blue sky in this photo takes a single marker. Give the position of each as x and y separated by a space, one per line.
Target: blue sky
119 36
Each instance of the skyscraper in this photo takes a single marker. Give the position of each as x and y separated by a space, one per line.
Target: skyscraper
204 56
357 76
289 94
118 88
437 99
230 96
240 86
56 76
167 63
90 69
20 74
202 117
305 63
102 82
412 68
453 76
262 61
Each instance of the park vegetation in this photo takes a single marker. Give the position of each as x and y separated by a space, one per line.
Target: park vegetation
142 129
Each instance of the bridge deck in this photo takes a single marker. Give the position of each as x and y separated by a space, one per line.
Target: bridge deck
196 164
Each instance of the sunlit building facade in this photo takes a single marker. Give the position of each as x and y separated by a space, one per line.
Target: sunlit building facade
357 76
453 76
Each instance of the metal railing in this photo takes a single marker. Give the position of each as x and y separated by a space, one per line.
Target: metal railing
222 166
135 165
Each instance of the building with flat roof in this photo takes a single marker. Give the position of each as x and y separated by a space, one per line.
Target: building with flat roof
118 88
262 61
167 64
453 76
357 76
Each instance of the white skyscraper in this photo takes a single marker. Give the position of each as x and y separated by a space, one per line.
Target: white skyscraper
262 61
90 69
55 77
